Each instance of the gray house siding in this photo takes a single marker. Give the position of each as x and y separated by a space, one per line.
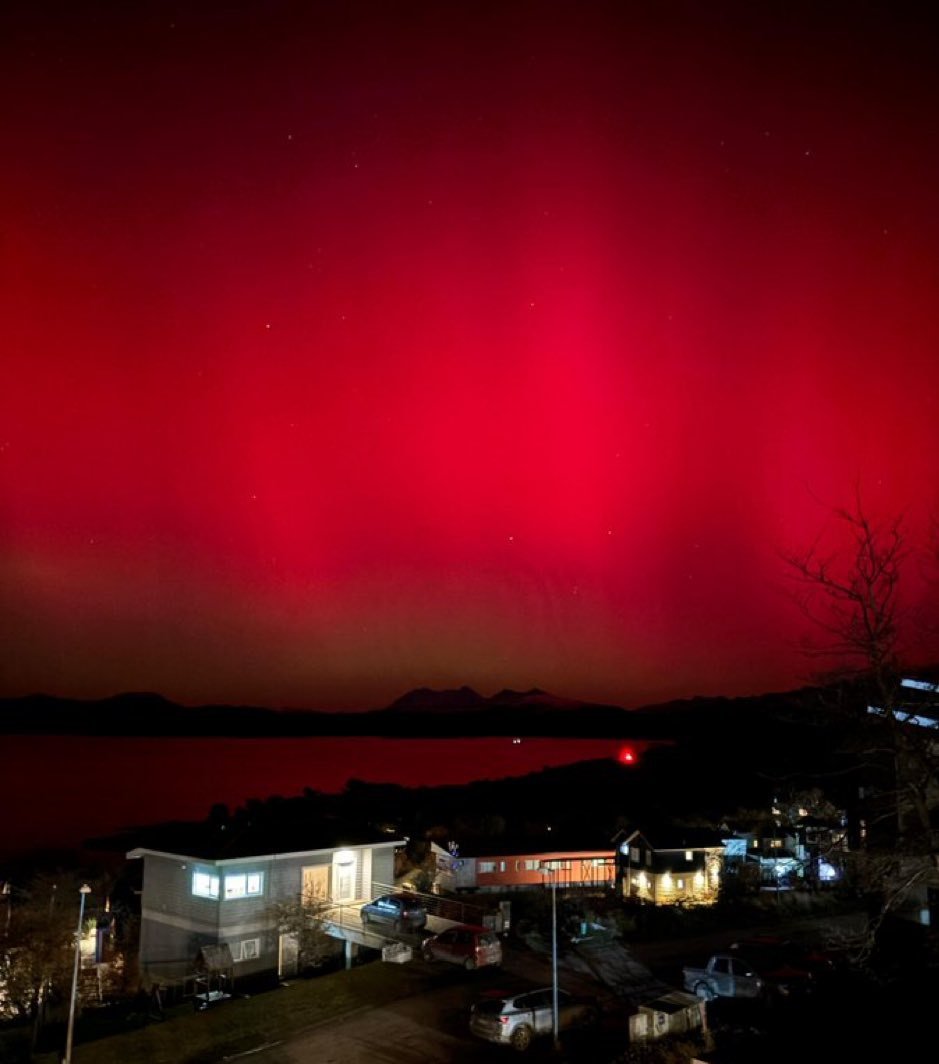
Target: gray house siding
176 923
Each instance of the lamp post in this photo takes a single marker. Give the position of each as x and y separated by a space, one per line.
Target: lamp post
83 891
547 870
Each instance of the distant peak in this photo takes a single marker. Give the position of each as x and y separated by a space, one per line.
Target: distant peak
535 696
425 698
140 697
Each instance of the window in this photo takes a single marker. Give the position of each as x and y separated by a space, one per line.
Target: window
243 885
681 884
689 856
502 866
248 949
204 885
487 866
649 858
634 854
532 866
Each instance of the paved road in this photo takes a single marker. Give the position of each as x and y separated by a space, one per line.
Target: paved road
431 1027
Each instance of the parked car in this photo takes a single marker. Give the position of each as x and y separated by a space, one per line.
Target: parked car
469 945
516 1019
788 967
724 976
398 911
762 967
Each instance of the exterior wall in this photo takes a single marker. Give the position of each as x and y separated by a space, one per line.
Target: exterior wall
586 868
174 923
382 869
464 872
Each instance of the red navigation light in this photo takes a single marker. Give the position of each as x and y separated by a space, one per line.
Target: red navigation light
627 756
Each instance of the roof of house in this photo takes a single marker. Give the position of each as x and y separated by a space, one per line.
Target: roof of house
669 837
264 837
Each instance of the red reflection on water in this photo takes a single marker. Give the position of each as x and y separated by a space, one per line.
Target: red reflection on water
97 786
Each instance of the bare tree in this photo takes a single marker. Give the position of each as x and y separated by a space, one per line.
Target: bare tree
303 919
852 595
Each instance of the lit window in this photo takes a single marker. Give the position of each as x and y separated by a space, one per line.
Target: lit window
487 866
204 885
532 866
502 866
689 856
243 885
681 884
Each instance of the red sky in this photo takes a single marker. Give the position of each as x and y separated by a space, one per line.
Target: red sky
349 348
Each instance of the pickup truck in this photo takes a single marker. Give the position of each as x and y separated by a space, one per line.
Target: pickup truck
758 968
725 975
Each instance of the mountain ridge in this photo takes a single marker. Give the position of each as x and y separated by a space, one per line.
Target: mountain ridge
421 712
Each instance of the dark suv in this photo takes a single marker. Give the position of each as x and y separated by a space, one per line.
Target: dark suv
399 911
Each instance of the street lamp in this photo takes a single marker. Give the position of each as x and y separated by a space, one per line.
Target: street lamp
547 870
83 891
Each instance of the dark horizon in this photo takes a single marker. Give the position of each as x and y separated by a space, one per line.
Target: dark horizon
421 712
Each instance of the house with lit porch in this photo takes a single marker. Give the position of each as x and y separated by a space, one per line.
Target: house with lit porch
670 865
205 888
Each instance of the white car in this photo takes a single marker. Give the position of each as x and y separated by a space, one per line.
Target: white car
515 1019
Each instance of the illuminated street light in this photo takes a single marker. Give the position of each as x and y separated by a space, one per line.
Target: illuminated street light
83 891
547 870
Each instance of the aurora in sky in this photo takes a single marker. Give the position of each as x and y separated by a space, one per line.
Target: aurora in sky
350 348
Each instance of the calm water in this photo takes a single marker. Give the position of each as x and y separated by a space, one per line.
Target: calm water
58 790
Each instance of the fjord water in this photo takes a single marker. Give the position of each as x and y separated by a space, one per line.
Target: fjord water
60 790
